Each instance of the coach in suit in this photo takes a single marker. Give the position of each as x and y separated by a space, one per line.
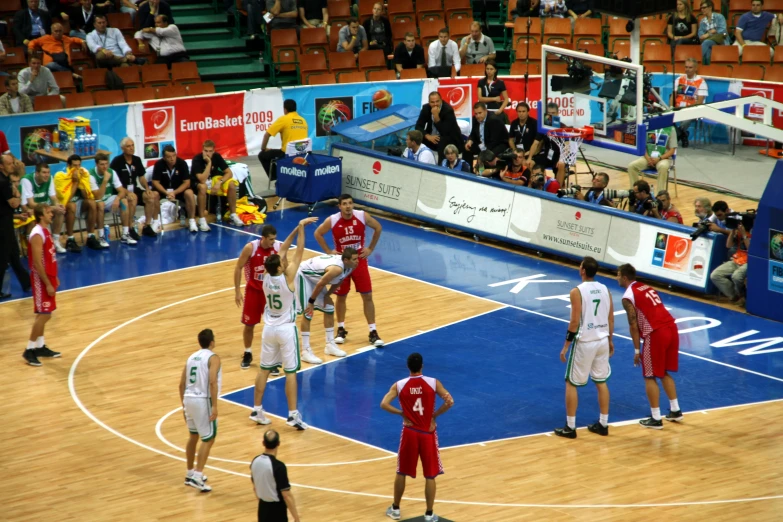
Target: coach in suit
488 133
31 23
438 123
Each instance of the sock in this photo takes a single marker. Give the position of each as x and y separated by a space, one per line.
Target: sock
571 421
329 335
372 327
39 343
291 413
234 214
142 220
306 340
190 473
56 238
31 345
258 407
674 405
603 420
100 233
395 506
656 413
428 513
125 231
197 475
202 220
340 325
249 350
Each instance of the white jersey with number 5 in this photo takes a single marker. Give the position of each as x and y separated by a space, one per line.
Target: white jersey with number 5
197 375
595 311
280 301
315 267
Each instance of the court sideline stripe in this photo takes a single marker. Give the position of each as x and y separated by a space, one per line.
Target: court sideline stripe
533 312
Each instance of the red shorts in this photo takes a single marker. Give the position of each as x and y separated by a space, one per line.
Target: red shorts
43 303
661 351
255 301
360 277
415 444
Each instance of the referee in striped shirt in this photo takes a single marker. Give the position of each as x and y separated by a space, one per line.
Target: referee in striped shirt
270 479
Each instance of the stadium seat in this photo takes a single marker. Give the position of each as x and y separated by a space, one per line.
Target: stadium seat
653 42
200 89
429 6
531 52
521 30
81 99
596 49
557 68
108 97
683 52
139 95
511 5
587 30
312 64
428 32
147 53
737 8
48 103
658 55
8 8
474 69
655 68
80 56
351 77
64 80
121 21
774 74
313 40
458 9
14 59
334 28
401 10
341 62
400 28
283 38
557 30
286 59
94 79
155 75
365 9
617 31
518 68
373 60
717 70
459 28
620 48
381 76
321 79
756 54
185 72
748 72
129 75
724 54
778 58
339 10
175 91
413 74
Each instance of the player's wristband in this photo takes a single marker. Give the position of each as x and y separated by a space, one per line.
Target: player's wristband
636 352
570 336
311 301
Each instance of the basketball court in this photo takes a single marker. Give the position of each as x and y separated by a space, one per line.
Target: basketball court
99 435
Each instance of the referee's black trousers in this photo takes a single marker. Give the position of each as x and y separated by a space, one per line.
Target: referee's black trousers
9 254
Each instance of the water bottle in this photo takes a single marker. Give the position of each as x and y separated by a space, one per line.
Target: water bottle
106 232
218 211
94 144
56 140
47 144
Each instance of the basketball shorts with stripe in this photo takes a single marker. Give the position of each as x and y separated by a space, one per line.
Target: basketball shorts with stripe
280 346
415 444
588 359
304 289
198 410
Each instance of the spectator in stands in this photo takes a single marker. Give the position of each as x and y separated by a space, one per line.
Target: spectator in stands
476 47
36 80
552 9
166 40
210 171
580 9
82 18
453 161
284 14
523 132
442 54
438 124
10 200
416 150
730 276
752 27
150 10
254 9
661 146
525 9
544 151
37 189
712 30
2 58
378 30
668 211
516 173
352 38
171 178
109 46
408 54
701 208
313 13
291 127
493 92
31 23
79 202
56 48
487 133
691 90
643 203
13 101
682 25
540 181
111 197
595 194
131 171
775 34
488 165
130 7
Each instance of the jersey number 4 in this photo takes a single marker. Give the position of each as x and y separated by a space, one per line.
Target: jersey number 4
274 302
418 407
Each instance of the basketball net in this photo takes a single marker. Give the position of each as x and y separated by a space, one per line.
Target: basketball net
568 140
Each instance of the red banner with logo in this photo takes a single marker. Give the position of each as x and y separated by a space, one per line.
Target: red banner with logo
462 93
186 123
771 91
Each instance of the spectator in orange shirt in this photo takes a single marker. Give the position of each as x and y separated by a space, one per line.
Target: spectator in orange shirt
56 48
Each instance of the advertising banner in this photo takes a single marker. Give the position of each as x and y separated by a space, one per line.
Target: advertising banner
462 93
324 106
383 182
776 260
309 179
28 133
551 224
465 203
261 108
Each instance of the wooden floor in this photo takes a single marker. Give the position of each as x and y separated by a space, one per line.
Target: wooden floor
59 463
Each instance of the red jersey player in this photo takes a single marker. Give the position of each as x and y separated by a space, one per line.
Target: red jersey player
419 438
650 320
251 262
349 229
43 278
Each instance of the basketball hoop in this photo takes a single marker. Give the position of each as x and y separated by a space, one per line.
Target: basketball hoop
568 139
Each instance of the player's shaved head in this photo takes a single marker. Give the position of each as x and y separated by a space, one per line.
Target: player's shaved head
415 362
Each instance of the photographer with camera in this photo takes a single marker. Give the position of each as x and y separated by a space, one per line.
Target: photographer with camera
515 173
544 151
596 193
730 276
666 208
489 166
453 161
540 181
641 201
488 133
416 151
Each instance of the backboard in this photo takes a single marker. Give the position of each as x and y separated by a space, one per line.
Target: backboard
594 91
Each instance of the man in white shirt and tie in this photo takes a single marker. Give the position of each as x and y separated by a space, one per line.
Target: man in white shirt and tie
416 151
442 54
